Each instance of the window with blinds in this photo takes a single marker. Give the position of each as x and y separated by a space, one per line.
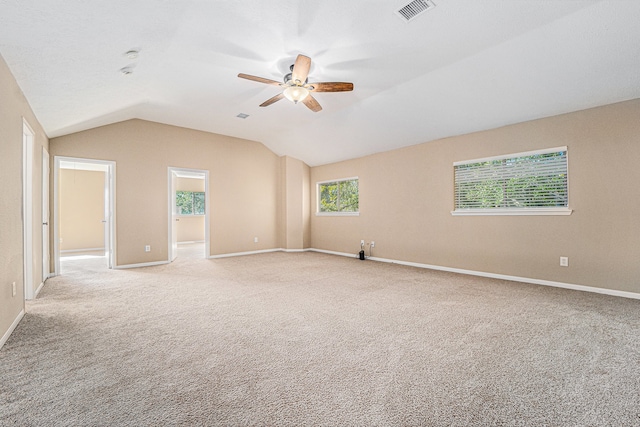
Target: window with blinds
529 183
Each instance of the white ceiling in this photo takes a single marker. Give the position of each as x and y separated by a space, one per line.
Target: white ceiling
464 66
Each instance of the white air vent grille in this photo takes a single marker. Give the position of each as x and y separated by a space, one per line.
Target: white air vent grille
414 9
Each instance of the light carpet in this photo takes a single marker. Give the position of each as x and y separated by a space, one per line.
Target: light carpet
309 339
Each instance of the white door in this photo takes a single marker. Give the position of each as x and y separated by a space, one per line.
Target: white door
45 215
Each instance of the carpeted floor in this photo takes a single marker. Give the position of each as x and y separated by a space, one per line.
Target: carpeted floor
312 339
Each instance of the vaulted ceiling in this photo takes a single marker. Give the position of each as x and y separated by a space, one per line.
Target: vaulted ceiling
463 66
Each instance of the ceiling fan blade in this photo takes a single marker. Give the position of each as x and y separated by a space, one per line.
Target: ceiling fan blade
259 79
270 101
311 102
301 69
332 87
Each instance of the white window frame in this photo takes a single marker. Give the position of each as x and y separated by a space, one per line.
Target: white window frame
515 211
318 213
193 214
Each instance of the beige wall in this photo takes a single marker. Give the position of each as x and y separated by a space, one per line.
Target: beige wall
190 228
13 107
295 191
81 209
243 181
406 197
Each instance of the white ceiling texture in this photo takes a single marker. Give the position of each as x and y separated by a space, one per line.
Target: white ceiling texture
463 66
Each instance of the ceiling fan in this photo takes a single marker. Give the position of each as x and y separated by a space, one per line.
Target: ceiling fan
297 87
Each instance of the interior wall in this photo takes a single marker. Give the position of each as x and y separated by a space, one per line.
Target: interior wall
295 181
406 199
243 185
81 208
13 108
190 228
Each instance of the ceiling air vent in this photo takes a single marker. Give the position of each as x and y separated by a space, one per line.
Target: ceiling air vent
414 9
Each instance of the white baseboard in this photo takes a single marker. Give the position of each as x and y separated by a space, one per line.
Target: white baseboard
188 242
563 285
13 326
345 254
35 294
612 292
69 251
144 264
263 251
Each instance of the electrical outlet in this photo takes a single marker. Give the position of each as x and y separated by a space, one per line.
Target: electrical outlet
255 240
361 242
13 289
373 244
564 261
147 248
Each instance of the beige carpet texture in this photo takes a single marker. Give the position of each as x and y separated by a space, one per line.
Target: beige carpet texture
310 339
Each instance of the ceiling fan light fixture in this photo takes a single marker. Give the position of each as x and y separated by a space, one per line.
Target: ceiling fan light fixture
296 94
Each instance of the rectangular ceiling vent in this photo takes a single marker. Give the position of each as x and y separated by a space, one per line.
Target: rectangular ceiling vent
414 9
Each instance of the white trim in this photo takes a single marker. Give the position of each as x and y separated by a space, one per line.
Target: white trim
263 251
593 289
46 216
142 264
345 254
40 286
110 174
510 156
512 211
351 178
13 326
188 242
290 251
207 208
319 213
28 147
337 213
67 251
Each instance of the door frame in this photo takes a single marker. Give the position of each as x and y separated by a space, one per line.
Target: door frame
46 248
28 142
110 207
171 173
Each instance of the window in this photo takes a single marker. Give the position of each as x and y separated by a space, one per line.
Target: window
190 202
338 197
532 183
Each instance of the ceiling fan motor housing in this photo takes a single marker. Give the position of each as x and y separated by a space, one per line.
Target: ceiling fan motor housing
288 78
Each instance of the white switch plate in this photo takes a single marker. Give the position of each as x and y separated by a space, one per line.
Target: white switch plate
564 261
13 289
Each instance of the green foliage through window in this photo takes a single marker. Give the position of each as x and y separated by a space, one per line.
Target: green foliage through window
190 202
338 196
527 181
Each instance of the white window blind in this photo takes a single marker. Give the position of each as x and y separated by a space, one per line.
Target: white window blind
523 182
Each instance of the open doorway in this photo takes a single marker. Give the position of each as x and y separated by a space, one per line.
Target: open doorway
84 224
188 213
